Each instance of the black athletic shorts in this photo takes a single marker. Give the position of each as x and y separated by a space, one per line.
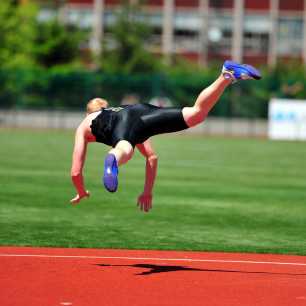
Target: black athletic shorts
136 123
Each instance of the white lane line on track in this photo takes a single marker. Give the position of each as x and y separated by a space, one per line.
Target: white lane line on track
156 259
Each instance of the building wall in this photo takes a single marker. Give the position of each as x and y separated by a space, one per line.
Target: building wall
257 4
187 24
286 5
293 5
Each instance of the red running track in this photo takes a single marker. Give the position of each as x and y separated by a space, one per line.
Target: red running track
88 277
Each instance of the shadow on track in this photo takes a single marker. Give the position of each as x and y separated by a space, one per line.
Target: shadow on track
153 269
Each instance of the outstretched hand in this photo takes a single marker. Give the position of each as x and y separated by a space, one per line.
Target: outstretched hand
144 202
79 197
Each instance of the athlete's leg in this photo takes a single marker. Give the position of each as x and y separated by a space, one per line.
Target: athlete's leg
123 152
231 72
205 101
119 155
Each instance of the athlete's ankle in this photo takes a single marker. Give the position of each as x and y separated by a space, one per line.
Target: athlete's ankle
227 77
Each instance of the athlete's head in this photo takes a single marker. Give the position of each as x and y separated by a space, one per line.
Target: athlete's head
95 105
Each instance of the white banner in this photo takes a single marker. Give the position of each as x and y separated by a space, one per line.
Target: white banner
287 119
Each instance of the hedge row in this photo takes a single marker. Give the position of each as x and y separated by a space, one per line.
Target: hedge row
71 89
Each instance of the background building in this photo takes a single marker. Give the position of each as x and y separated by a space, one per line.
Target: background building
255 31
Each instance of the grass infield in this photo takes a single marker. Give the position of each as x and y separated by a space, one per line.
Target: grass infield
211 194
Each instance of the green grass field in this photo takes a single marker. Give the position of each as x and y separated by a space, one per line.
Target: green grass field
211 194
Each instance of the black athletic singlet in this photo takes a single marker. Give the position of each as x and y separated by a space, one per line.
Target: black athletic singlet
136 123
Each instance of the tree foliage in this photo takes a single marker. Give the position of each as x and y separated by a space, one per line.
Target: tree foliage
17 28
56 44
129 35
25 41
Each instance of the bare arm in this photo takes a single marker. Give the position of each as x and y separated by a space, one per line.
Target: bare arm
78 159
145 199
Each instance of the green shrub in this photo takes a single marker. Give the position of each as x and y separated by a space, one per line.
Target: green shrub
70 87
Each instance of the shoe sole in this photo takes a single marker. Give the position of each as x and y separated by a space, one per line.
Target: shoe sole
251 71
110 178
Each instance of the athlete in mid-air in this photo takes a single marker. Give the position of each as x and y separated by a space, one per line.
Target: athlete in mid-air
125 127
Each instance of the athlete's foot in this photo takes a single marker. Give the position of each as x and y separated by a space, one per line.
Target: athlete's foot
110 177
235 71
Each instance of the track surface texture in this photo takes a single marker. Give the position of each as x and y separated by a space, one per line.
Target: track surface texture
50 276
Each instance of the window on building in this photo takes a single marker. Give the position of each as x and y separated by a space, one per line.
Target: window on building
290 36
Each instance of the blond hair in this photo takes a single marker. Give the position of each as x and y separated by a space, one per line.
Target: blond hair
95 105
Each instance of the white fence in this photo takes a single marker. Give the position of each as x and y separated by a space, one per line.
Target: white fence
70 120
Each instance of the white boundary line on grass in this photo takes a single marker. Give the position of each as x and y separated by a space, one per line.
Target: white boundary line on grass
156 259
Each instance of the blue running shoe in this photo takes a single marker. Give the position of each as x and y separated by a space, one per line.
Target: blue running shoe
110 177
236 71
